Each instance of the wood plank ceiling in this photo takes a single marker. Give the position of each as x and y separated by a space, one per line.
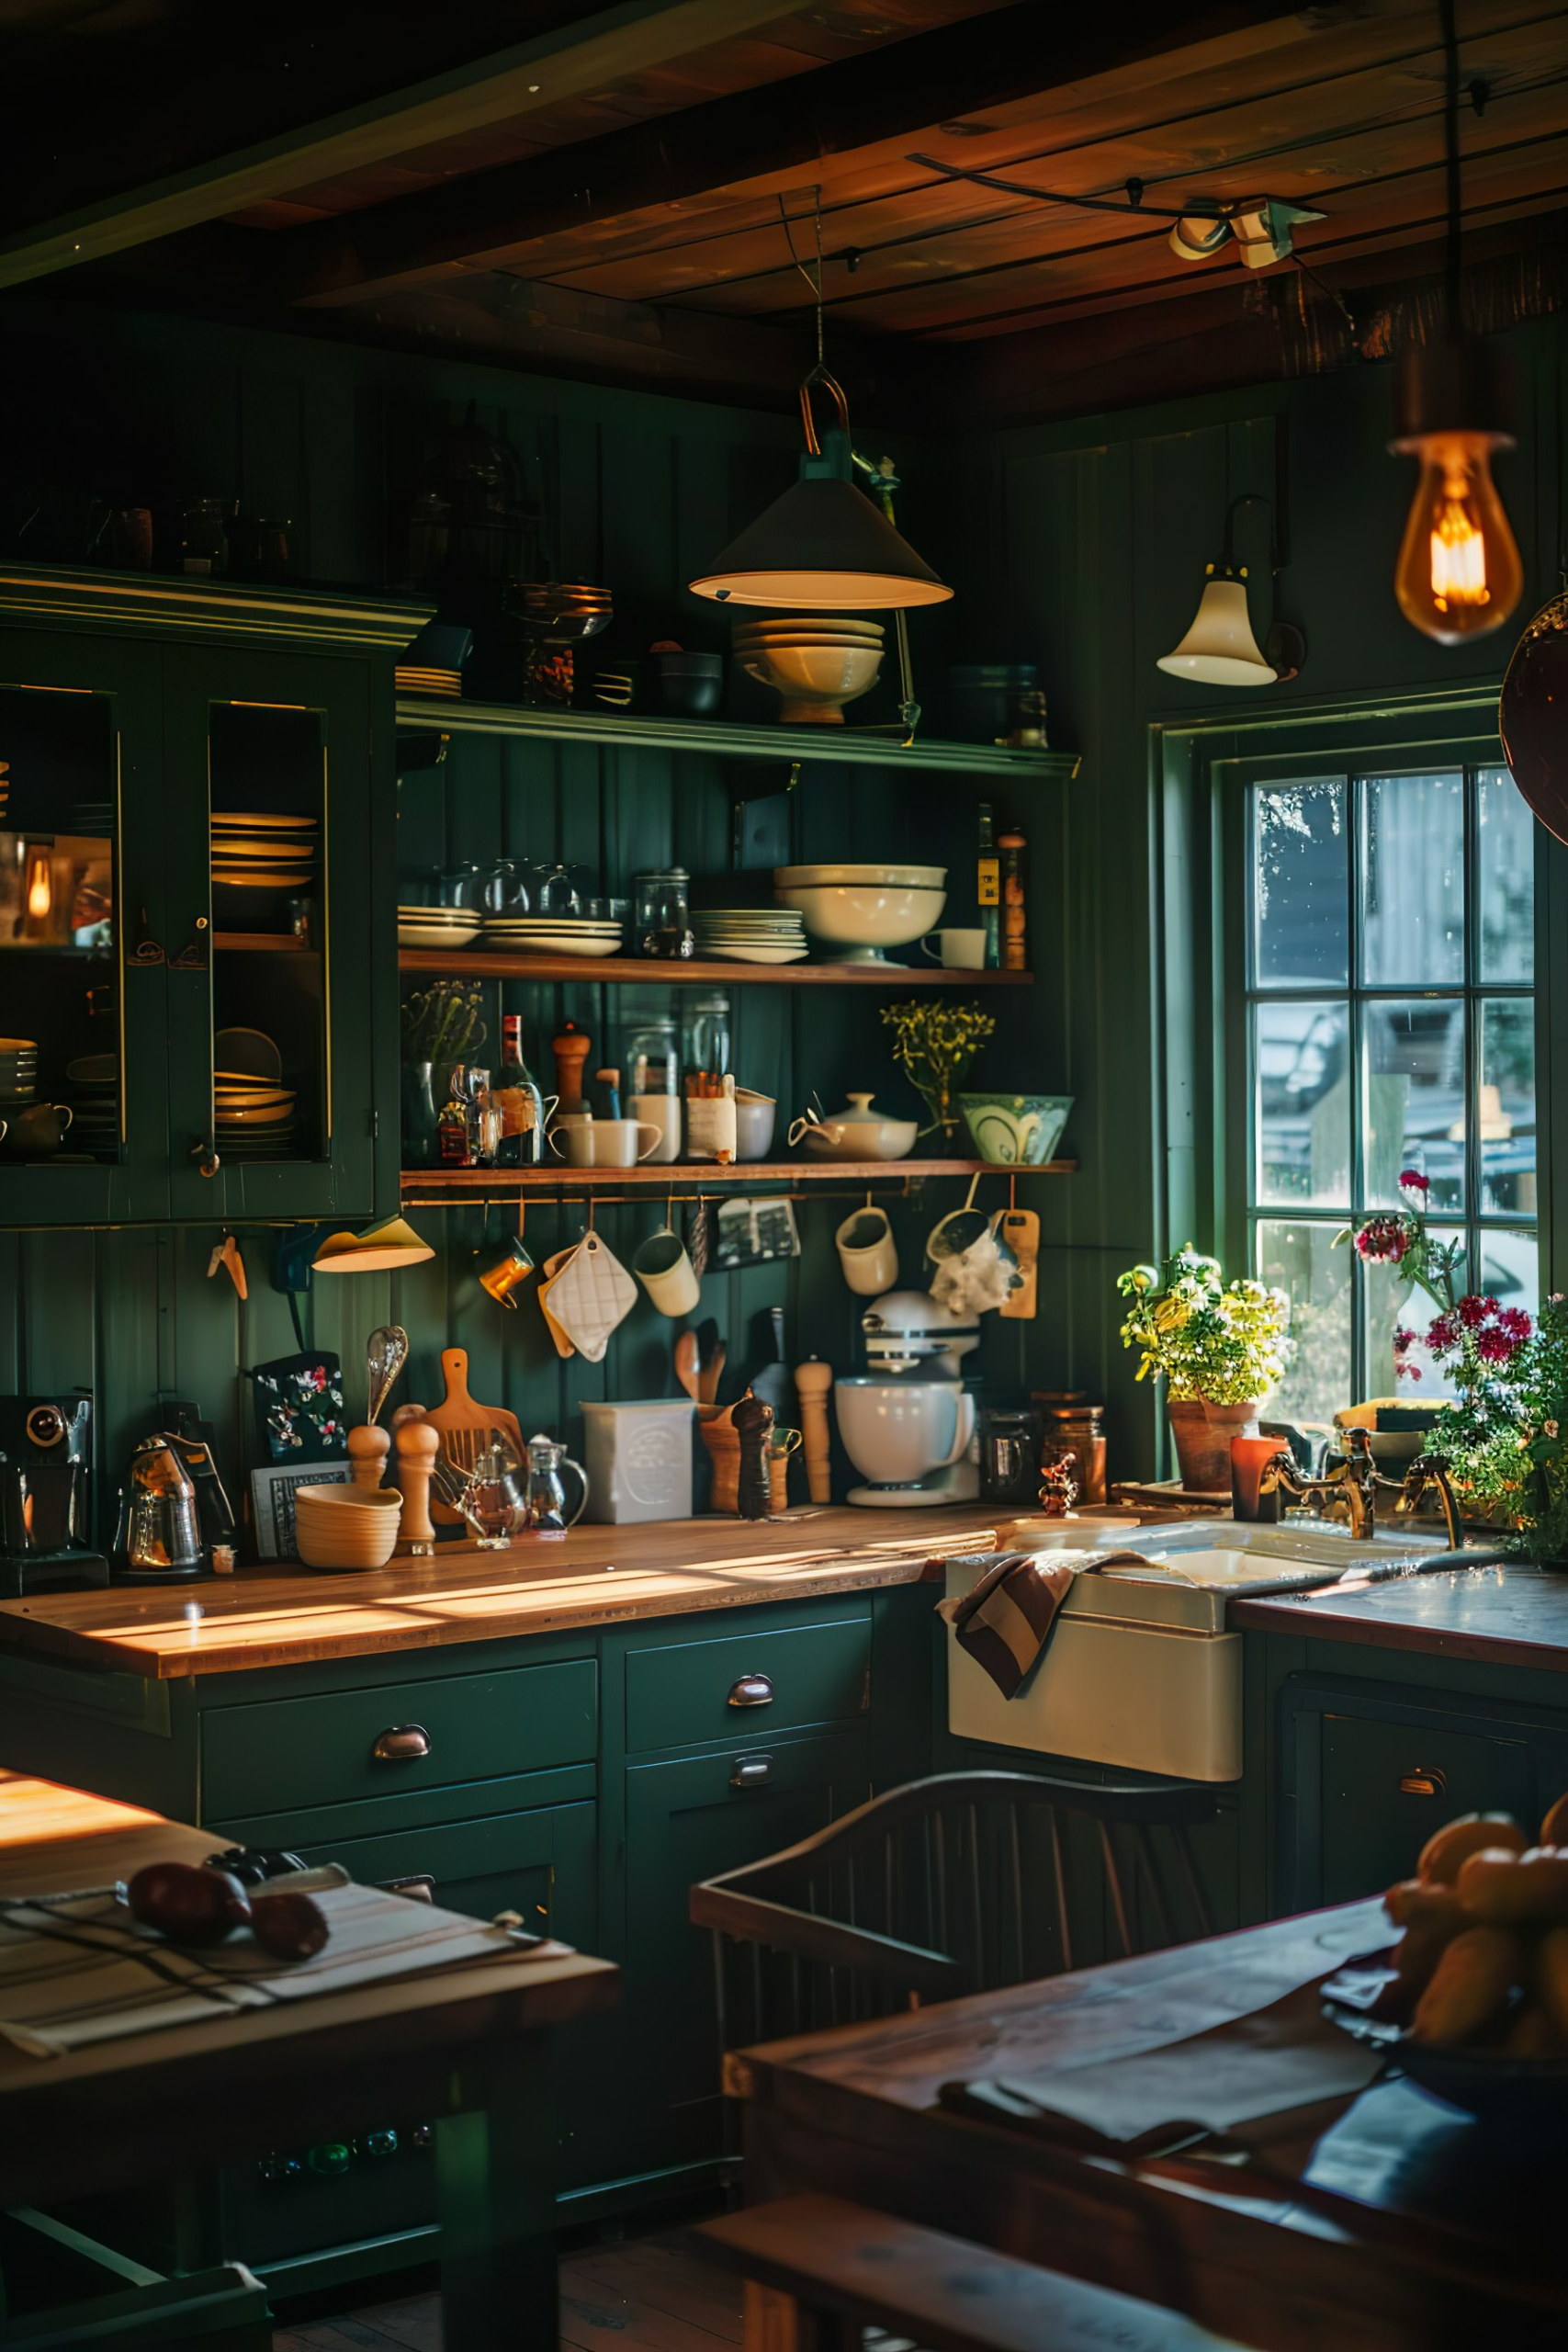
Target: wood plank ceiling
648 176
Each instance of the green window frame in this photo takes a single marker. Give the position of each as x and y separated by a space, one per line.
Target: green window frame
1217 1001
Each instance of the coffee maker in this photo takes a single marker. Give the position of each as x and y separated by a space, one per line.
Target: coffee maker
46 1538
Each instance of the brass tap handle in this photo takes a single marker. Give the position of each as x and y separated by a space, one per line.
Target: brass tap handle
751 1690
400 1744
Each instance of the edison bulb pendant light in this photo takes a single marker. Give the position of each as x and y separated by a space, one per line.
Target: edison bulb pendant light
1459 573
40 888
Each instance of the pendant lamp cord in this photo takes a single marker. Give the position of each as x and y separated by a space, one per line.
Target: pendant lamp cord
1447 14
813 278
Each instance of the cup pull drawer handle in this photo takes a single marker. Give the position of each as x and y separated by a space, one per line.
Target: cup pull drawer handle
751 1690
751 1771
420 1887
400 1744
1426 1780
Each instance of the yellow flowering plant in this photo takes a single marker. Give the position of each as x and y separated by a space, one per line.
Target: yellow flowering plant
1224 1342
933 1045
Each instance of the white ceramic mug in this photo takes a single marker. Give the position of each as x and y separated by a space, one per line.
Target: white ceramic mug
614 1143
867 1253
571 1138
663 1112
960 951
667 1274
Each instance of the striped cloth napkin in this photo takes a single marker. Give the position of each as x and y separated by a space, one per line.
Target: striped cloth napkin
1007 1620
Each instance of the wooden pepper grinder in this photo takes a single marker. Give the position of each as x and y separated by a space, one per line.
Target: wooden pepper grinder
418 1445
754 1427
572 1046
368 1450
813 1379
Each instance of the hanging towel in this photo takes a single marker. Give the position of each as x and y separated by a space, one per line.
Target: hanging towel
1007 1620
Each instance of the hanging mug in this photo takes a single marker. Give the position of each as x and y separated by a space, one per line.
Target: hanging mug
508 1274
867 1252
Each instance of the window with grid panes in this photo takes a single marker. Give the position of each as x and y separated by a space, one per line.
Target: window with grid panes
1390 971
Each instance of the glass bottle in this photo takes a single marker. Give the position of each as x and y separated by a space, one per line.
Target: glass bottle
706 1037
661 919
451 1128
988 888
1015 930
515 1093
651 1056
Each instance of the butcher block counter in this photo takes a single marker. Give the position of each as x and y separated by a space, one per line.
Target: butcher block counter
595 1576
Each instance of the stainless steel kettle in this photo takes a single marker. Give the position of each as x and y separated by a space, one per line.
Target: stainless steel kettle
159 1535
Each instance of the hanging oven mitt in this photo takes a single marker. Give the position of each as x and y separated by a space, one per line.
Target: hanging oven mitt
592 1293
554 1268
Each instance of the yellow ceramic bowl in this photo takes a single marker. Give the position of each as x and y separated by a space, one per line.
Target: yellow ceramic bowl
346 1527
813 680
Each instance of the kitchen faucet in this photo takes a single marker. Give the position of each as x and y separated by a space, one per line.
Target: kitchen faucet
1355 1485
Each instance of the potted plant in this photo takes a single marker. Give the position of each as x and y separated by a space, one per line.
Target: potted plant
933 1045
1219 1347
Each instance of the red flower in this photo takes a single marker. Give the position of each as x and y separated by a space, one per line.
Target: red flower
1383 1241
1515 1322
1496 1347
1412 1181
1403 1341
1473 1309
1442 1335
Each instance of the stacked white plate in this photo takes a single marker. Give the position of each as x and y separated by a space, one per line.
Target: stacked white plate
256 1119
254 850
18 1068
551 935
438 926
446 684
92 1090
749 934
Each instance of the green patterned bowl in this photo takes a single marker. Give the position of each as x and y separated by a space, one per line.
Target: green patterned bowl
1016 1130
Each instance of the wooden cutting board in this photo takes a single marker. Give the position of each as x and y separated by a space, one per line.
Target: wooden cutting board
465 1426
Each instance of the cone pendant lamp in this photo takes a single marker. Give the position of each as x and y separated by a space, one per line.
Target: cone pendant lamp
823 546
1219 650
379 1249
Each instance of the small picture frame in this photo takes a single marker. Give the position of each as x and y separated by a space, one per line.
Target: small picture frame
755 1232
272 1502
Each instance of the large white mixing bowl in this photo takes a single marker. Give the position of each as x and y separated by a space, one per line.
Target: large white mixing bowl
866 909
897 1432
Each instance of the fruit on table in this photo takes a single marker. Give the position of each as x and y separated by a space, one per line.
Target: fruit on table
290 1927
188 1903
1483 1959
1444 1854
1473 1977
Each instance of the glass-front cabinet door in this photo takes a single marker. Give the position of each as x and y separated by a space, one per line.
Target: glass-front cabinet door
270 985
84 1074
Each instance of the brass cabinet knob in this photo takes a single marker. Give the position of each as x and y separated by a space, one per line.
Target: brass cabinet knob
751 1690
751 1771
400 1744
205 1154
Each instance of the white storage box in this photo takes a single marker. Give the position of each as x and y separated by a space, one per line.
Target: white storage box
638 1460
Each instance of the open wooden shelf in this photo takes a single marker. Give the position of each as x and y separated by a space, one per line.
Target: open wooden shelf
261 942
435 1185
658 971
725 740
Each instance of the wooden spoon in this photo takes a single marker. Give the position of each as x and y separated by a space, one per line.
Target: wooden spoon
686 1365
711 1373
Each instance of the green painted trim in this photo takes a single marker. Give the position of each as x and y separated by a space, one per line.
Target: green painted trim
141 601
724 739
122 1698
339 2265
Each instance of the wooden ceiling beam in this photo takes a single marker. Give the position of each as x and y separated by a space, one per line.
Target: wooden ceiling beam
893 92
629 38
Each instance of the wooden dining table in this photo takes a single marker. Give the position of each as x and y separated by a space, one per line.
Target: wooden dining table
1380 2221
465 2046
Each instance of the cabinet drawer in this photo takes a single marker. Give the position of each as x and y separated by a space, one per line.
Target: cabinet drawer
1386 1786
539 1864
747 1687
277 1754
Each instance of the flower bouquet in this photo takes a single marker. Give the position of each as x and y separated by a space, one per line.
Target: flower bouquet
933 1045
1220 1346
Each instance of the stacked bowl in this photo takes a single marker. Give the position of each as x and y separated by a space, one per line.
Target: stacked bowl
346 1527
257 850
18 1083
749 934
565 609
862 910
252 1108
92 1090
438 926
442 685
815 664
552 934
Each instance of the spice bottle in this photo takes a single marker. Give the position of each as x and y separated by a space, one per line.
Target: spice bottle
1015 935
988 888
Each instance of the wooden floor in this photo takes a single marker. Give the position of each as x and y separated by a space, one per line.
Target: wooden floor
650 2295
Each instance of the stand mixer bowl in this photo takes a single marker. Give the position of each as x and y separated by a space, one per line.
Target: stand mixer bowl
908 1439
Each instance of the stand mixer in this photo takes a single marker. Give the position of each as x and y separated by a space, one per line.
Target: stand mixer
908 1425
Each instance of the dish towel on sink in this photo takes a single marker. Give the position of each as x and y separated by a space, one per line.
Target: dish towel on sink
1007 1620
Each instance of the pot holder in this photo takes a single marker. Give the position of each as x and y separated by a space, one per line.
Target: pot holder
554 1267
589 1295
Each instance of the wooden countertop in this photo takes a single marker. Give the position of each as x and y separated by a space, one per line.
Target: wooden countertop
1510 1614
595 1576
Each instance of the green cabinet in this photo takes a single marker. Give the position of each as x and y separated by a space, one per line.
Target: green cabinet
686 1819
1368 1770
148 957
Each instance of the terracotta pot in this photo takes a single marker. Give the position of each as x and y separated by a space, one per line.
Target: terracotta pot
1202 1433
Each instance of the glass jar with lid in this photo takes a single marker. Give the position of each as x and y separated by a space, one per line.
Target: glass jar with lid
650 1055
661 912
706 1035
